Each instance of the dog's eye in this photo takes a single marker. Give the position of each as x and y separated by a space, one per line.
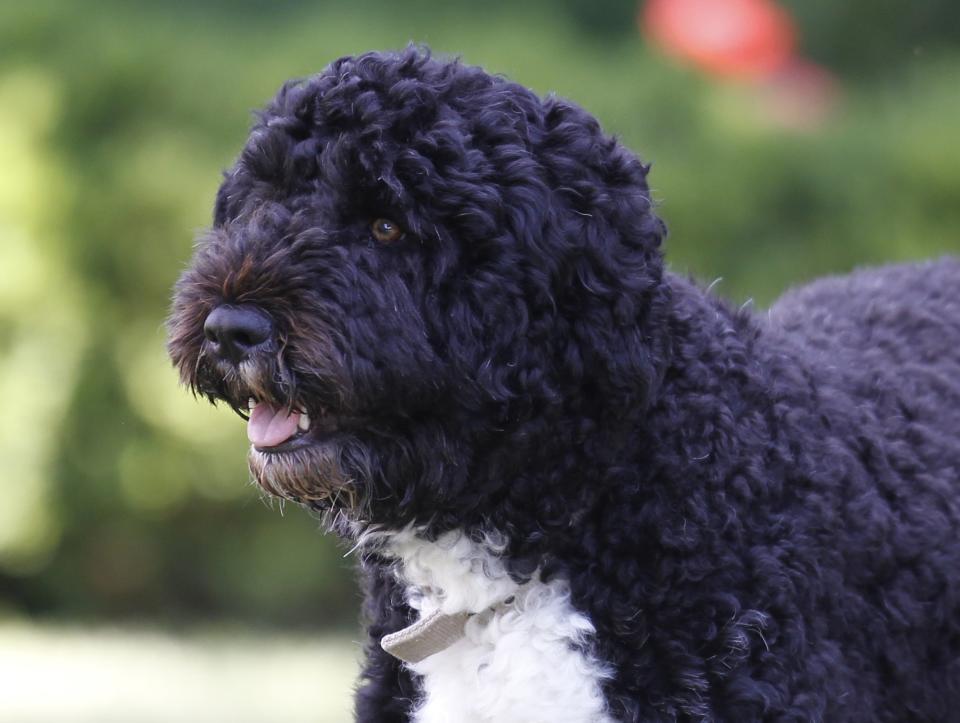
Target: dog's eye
386 231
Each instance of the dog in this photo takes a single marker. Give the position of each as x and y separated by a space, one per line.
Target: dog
582 488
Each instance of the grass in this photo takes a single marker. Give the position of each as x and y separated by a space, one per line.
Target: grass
78 675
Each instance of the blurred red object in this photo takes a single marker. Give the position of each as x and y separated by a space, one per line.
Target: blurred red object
749 39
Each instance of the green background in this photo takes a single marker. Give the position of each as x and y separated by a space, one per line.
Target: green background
123 498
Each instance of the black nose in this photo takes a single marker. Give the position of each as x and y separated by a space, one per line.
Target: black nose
234 332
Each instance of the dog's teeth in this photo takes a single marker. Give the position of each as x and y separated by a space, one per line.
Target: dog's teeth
251 403
304 422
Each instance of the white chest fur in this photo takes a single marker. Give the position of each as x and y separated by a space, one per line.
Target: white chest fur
523 661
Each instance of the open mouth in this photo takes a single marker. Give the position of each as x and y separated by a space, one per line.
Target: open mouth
269 428
274 429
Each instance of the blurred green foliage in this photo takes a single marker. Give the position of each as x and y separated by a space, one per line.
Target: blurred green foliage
124 497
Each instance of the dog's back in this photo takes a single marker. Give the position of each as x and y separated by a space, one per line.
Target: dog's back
883 346
890 335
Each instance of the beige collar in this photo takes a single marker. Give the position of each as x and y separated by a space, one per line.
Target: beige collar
436 632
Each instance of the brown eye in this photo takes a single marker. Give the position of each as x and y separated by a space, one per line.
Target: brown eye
386 231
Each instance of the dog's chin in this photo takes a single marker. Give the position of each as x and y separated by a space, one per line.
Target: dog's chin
306 471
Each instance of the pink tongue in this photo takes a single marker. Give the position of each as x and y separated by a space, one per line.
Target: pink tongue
269 427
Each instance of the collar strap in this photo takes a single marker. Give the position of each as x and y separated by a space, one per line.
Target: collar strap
435 632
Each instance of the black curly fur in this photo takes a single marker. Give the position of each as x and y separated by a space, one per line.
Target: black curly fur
759 514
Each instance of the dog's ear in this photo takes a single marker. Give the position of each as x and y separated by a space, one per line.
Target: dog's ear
608 283
563 283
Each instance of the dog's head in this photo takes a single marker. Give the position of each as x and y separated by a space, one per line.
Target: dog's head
417 270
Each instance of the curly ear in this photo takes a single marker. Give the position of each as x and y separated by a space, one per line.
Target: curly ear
566 280
560 272
609 285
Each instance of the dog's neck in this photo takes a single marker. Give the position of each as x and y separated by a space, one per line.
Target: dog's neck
523 479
